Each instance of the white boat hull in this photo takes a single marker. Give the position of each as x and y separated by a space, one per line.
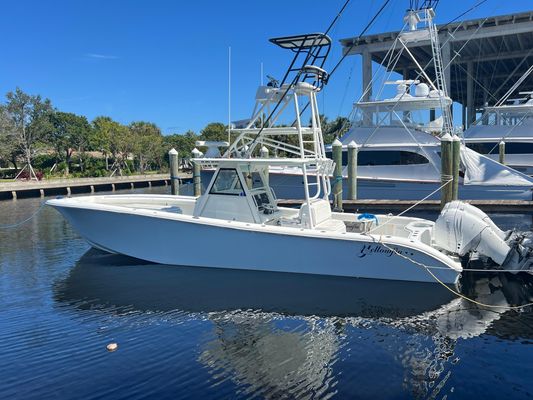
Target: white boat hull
184 240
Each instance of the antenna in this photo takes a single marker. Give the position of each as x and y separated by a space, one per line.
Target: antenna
229 95
261 74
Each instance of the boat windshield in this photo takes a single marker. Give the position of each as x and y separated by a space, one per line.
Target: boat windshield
507 116
255 181
421 119
227 183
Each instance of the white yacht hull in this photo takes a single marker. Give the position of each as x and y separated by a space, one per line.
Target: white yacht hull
289 186
177 239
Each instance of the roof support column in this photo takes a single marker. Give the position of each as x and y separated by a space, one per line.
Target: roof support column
471 111
485 99
367 75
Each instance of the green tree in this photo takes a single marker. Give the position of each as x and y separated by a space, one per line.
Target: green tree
8 148
183 143
30 116
215 131
147 142
335 128
122 146
103 130
69 132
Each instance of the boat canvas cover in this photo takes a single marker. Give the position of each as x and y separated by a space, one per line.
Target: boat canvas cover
481 170
495 133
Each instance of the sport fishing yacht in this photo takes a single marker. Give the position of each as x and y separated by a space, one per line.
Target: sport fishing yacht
398 139
237 224
509 121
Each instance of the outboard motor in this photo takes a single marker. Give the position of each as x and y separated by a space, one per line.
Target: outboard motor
464 229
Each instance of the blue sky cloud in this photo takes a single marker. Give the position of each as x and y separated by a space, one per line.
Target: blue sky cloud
101 56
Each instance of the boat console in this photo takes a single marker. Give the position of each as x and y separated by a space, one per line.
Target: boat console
238 192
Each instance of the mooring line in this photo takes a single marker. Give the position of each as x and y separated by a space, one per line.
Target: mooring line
455 292
16 225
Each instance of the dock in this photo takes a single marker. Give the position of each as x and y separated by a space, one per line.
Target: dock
510 206
67 186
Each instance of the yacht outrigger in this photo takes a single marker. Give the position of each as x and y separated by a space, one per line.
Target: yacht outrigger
237 224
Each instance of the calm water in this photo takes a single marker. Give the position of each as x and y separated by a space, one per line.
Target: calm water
196 333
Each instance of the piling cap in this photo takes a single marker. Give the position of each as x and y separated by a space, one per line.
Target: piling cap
446 137
502 142
456 138
336 143
352 145
173 152
263 149
196 152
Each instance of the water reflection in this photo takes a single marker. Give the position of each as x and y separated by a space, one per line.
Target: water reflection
275 335
122 281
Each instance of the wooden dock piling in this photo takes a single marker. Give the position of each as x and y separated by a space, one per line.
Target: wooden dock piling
501 152
337 175
456 162
174 170
196 173
446 174
352 170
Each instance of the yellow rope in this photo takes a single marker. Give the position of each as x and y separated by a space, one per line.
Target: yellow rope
452 290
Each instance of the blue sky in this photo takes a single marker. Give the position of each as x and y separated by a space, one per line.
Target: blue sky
167 61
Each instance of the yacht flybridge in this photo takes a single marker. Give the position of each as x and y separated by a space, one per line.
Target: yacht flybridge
237 224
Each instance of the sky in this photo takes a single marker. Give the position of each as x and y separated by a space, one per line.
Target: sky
166 61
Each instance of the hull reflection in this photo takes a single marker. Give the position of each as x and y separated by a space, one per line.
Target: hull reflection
281 335
102 279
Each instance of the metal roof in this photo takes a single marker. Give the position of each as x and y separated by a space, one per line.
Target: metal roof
497 49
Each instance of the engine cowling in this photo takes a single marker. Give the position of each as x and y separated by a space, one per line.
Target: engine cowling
462 229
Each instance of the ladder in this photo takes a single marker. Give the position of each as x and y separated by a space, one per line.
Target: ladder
440 80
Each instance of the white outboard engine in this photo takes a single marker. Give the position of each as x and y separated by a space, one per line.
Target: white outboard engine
463 229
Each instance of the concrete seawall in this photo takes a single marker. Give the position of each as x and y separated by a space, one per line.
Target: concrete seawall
22 189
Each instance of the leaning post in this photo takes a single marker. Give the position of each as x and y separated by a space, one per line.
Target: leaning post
174 167
501 148
456 162
337 175
196 178
446 169
352 170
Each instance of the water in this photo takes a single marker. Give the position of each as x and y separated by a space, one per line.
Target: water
198 333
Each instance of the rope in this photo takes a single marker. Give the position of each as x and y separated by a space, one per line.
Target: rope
455 292
10 226
370 23
414 205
